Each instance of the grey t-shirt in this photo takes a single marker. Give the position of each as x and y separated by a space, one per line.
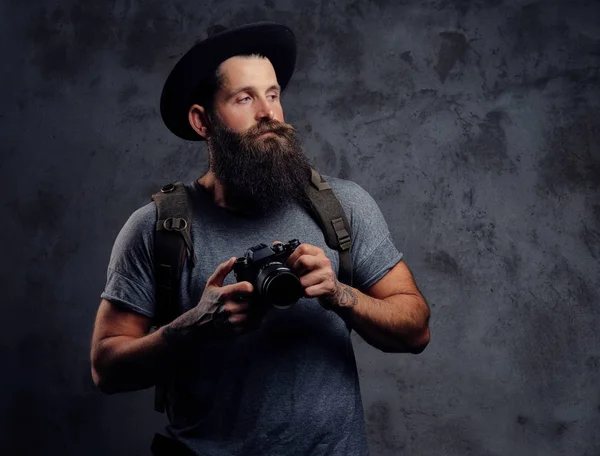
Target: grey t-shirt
289 388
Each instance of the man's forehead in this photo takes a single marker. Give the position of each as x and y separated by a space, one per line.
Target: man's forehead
245 70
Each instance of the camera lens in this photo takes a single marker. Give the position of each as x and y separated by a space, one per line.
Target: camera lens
279 286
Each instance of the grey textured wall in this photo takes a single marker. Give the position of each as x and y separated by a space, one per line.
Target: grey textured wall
475 126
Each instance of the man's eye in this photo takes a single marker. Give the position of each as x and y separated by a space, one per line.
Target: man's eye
273 97
244 100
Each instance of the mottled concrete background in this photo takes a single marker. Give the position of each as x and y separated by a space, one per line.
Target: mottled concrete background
474 125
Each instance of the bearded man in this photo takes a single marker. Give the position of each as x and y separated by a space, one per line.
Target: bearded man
280 382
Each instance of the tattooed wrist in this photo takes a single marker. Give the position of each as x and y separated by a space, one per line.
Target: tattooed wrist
193 326
344 297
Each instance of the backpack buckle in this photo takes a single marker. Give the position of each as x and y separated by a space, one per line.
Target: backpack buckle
341 233
175 224
167 188
345 241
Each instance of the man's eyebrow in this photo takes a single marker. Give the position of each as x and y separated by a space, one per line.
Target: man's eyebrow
234 92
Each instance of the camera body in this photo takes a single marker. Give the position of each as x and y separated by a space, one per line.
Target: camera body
264 267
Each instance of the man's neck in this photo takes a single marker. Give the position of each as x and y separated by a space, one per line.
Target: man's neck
212 185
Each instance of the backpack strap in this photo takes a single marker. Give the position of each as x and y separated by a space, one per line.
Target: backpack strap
332 219
172 241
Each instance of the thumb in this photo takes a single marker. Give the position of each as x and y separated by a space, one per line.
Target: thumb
217 277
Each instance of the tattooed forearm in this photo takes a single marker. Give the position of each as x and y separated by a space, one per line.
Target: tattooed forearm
197 323
186 328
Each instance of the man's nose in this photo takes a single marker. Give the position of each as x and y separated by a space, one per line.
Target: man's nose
264 110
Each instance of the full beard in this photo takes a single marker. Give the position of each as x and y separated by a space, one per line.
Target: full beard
259 174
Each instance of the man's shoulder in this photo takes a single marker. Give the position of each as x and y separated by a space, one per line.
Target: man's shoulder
340 183
147 213
141 221
144 217
348 192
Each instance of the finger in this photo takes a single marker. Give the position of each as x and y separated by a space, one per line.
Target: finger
238 319
317 290
305 264
318 276
251 323
304 249
244 323
234 307
237 290
217 277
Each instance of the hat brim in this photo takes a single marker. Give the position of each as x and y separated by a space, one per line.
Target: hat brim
275 41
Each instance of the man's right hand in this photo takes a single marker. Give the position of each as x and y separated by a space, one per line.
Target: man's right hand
222 311
126 357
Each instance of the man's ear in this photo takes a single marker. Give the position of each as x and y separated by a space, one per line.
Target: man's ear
198 119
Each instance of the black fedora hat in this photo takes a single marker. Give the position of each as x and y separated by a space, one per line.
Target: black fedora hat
194 71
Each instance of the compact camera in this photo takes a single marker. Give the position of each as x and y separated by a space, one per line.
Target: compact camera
264 267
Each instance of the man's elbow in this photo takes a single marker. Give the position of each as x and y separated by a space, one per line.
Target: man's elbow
420 339
419 342
103 370
101 381
415 344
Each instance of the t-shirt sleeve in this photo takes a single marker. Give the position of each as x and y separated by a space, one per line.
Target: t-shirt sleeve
373 250
130 275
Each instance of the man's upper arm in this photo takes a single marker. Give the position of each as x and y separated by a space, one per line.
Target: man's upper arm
130 281
398 280
379 269
112 320
373 251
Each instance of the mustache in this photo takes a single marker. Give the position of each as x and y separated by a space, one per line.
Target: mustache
270 126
